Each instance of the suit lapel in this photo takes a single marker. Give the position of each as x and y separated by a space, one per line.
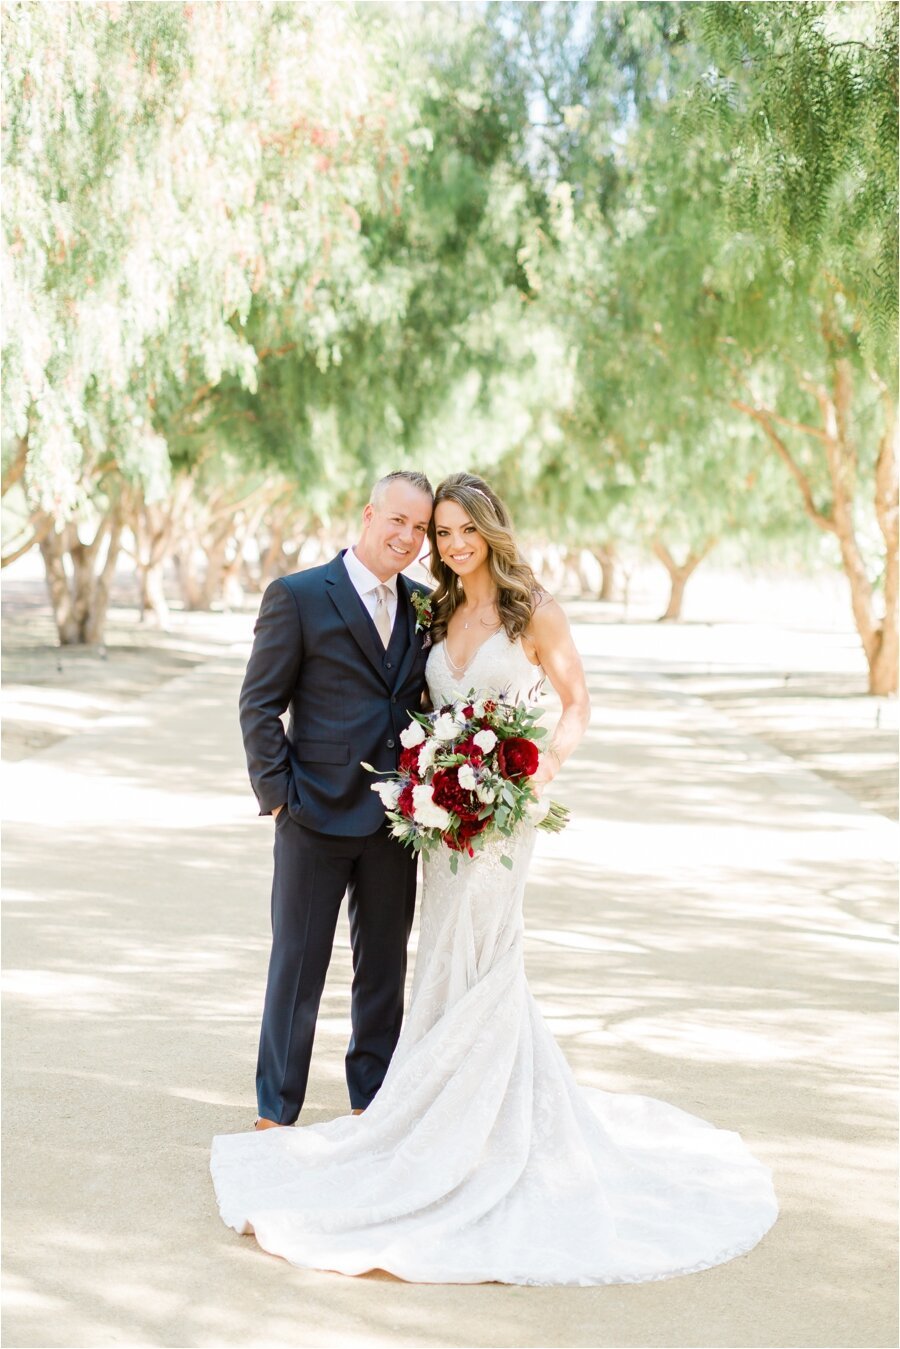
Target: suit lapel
345 599
404 589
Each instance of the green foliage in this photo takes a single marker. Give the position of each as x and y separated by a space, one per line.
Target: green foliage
802 98
167 166
558 243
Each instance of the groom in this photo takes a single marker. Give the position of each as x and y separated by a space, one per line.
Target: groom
337 645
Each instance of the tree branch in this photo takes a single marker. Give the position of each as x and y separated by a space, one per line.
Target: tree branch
37 537
16 470
763 416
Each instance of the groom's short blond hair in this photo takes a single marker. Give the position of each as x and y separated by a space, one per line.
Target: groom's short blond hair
410 475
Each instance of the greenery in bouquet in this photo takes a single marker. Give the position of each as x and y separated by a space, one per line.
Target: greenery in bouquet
464 777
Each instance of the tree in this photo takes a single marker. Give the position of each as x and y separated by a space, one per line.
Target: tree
166 164
802 103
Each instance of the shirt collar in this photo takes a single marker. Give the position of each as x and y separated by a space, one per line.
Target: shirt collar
364 580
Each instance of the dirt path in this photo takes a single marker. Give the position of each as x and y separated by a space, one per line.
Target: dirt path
714 929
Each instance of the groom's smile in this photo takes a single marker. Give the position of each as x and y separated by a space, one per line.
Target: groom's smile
395 525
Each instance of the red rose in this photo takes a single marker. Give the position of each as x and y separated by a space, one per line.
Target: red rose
468 711
517 758
447 792
409 760
405 801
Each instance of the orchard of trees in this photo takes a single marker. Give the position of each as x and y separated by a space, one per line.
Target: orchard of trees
636 262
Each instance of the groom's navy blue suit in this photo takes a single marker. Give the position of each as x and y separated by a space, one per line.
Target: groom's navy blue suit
317 652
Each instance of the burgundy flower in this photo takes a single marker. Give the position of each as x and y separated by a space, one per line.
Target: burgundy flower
473 752
447 792
405 800
468 829
517 758
409 760
468 711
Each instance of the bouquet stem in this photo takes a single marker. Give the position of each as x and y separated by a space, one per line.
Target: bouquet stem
557 818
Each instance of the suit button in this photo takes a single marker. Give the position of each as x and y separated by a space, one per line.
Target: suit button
390 744
388 665
393 700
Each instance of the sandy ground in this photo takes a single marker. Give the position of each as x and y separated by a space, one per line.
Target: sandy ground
714 928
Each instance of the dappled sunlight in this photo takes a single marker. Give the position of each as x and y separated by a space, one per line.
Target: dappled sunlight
713 929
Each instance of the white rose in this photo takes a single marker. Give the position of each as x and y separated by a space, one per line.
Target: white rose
485 740
467 777
485 795
478 708
426 812
446 727
413 735
389 793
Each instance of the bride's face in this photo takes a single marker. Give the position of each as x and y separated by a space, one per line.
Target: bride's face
459 544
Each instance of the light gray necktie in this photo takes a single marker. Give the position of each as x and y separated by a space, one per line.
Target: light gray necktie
382 614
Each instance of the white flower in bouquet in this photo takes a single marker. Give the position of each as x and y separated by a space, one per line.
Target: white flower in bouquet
413 735
485 794
427 754
478 708
389 793
485 740
426 812
446 727
467 778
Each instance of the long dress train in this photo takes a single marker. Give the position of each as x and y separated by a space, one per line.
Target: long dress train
481 1158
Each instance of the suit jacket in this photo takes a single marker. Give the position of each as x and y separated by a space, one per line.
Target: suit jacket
317 652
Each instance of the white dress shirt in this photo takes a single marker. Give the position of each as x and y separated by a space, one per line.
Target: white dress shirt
366 584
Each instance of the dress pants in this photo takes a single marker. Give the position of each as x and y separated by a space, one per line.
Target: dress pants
312 873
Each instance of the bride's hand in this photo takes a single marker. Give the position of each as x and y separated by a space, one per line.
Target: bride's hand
546 771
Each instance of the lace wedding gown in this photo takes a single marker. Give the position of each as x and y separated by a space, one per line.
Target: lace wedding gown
481 1158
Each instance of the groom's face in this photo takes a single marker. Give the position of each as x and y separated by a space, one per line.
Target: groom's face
394 529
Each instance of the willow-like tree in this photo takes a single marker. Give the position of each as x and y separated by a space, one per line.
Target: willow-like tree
166 164
798 110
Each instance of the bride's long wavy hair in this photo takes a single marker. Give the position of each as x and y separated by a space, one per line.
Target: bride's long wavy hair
518 590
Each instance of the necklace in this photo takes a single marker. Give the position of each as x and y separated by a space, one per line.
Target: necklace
490 605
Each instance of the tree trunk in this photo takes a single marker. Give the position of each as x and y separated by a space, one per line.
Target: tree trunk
884 662
879 639
53 552
153 525
188 577
95 619
80 603
216 562
152 594
679 575
608 560
273 562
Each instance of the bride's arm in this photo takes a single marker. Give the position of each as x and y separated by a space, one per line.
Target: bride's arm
549 636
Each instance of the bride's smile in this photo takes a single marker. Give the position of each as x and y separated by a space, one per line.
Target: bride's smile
460 545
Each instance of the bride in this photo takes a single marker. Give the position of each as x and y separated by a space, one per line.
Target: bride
481 1159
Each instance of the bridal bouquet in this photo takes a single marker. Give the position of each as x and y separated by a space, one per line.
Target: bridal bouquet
464 777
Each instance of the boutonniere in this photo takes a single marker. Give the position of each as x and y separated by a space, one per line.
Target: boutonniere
422 605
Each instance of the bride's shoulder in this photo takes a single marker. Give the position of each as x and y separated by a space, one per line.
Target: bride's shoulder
548 623
547 613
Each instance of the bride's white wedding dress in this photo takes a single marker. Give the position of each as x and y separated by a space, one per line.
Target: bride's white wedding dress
481 1158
